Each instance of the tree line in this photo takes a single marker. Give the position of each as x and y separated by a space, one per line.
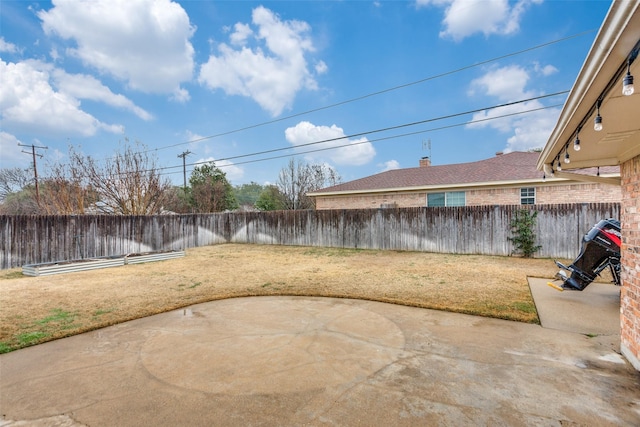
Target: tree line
131 183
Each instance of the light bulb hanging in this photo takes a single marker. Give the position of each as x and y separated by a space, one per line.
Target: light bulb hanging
576 142
567 160
559 166
627 85
597 122
547 170
627 82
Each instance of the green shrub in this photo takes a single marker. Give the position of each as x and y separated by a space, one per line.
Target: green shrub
524 237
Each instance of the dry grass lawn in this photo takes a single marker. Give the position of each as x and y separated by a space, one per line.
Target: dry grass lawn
39 309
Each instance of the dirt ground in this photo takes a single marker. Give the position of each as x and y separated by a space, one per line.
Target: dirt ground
39 309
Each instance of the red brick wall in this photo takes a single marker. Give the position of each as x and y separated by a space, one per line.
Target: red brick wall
545 194
630 292
372 201
578 193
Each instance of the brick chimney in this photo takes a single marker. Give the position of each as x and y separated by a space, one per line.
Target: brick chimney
425 162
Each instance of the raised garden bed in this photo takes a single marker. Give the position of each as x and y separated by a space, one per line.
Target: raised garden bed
45 269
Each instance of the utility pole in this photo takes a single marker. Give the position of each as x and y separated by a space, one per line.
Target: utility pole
35 165
184 167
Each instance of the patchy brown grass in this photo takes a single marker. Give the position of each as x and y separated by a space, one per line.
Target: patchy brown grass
38 309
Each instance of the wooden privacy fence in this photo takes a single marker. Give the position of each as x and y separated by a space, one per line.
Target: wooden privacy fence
462 230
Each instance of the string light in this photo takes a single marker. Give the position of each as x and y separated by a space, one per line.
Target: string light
597 122
547 171
576 142
627 82
627 89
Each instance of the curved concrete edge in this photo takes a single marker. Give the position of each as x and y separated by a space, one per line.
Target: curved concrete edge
319 361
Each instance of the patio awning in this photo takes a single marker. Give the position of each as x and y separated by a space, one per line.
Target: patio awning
599 84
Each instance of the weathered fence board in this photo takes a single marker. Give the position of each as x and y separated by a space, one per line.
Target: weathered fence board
465 230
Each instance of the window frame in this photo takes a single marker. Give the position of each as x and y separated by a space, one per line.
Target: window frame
528 197
447 196
455 195
444 200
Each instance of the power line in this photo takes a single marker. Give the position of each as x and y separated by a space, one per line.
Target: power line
386 129
449 116
380 92
372 94
388 137
367 141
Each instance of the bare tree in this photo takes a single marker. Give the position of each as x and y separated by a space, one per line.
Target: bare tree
128 183
22 202
12 180
17 192
66 190
298 178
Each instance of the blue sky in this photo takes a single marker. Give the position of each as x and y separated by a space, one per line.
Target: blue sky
228 79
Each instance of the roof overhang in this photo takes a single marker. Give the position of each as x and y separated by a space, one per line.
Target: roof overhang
601 78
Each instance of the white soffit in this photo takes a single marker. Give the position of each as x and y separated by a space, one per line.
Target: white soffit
605 66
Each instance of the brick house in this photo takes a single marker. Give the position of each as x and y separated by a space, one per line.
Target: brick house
599 97
506 179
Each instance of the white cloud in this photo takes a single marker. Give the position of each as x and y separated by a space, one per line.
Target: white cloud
424 3
533 130
273 71
494 118
53 53
143 42
180 95
505 83
389 165
529 130
233 173
546 70
12 154
346 152
321 67
196 142
7 47
28 102
241 34
193 138
464 18
83 86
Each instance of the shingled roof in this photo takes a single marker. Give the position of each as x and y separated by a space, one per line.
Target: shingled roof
504 168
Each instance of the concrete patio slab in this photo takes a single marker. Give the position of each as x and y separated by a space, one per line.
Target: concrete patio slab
286 361
594 311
